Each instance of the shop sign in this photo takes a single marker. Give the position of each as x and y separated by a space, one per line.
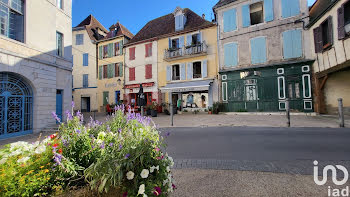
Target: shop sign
138 85
110 85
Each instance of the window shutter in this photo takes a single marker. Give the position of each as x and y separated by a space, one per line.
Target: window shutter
258 50
113 49
100 50
341 24
105 71
287 45
148 71
121 47
290 8
292 44
168 73
330 29
204 68
295 8
182 42
121 69
297 43
183 71
246 15
131 74
268 9
230 54
100 72
116 70
230 20
146 50
112 70
169 43
189 40
200 36
318 39
189 70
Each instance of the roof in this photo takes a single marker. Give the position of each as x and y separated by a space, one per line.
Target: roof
91 24
223 3
121 31
319 8
166 25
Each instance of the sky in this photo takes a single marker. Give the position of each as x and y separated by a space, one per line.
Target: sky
134 14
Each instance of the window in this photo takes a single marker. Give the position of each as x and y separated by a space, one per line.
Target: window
119 70
110 70
148 74
59 44
196 39
256 13
290 8
180 21
12 19
258 50
79 39
148 48
131 74
292 44
85 59
231 54
117 49
347 13
116 69
176 72
281 88
85 81
149 98
105 98
132 53
224 91
323 35
105 51
197 70
230 20
105 71
175 43
60 4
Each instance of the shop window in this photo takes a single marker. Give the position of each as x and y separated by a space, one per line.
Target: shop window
256 13
176 72
197 70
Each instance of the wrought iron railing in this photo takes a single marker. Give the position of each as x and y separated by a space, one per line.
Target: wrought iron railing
186 51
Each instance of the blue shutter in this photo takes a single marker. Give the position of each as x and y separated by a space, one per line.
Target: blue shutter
183 71
204 68
170 43
230 20
268 8
168 73
290 8
292 44
189 70
200 37
181 42
231 54
85 81
85 59
189 40
258 50
246 15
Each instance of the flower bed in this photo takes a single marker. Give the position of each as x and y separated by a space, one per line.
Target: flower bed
123 154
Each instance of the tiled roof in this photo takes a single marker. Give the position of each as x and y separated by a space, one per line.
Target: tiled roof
121 30
166 25
92 25
319 8
222 3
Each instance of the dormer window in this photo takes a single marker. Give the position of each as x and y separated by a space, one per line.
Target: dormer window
180 19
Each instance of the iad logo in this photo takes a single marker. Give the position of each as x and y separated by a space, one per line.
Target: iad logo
333 169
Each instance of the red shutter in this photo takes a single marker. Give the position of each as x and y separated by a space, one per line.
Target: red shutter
146 50
318 39
150 49
132 53
131 74
341 29
105 72
149 71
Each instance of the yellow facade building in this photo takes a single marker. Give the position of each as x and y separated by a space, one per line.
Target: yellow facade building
110 68
188 61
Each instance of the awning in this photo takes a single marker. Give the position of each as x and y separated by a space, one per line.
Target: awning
190 86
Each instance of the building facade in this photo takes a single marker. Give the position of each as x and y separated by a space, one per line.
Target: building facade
265 55
187 60
329 30
85 36
111 72
35 64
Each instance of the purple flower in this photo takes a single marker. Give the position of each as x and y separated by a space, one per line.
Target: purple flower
54 115
119 130
108 129
120 147
167 134
78 131
58 158
127 156
111 144
69 115
73 105
102 145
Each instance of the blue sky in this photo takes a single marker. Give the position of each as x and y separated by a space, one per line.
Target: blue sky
134 14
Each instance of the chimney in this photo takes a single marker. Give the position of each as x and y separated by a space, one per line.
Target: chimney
203 16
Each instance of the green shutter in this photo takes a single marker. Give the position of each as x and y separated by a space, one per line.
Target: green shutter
112 70
109 71
110 46
100 52
113 49
121 69
121 47
100 70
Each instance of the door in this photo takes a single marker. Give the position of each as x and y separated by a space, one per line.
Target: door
59 108
294 92
117 97
85 104
251 95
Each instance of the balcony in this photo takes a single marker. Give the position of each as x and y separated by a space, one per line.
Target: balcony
186 52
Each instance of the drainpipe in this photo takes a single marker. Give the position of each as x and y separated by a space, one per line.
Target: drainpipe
218 55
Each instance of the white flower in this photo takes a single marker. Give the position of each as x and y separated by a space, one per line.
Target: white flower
154 168
145 195
40 149
99 141
141 189
23 160
165 182
130 175
3 160
168 169
144 173
15 153
101 135
133 147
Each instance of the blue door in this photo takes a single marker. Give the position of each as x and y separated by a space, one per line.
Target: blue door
117 97
59 109
16 106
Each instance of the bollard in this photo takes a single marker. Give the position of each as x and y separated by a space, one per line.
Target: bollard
142 111
341 113
172 113
288 112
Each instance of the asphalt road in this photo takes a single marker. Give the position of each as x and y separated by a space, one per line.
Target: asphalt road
288 150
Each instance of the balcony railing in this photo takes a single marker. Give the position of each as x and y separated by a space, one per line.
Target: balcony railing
196 49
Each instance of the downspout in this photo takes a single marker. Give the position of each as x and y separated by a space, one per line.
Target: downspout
218 55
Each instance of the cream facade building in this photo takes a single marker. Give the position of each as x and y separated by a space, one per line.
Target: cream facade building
85 36
35 64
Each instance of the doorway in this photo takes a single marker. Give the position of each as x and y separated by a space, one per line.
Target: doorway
85 104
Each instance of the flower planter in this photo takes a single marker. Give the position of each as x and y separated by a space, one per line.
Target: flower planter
154 113
148 112
210 112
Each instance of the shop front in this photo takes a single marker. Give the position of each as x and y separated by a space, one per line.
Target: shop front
149 89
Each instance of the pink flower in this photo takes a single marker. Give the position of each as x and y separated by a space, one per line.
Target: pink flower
125 194
157 149
157 191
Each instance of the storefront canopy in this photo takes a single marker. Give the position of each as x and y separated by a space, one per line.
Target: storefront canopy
190 86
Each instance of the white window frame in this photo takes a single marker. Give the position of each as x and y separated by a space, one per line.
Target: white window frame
224 77
305 69
279 105
308 101
223 92
280 71
60 4
309 83
279 87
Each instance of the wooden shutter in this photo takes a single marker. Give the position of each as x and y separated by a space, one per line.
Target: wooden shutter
231 54
105 72
246 15
268 10
183 71
168 73
318 39
204 68
258 50
189 40
190 70
116 70
100 51
121 69
341 24
148 71
150 50
330 30
121 45
131 74
230 20
132 53
100 72
181 42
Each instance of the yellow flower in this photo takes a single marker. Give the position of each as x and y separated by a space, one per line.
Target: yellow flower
47 178
41 167
46 170
30 172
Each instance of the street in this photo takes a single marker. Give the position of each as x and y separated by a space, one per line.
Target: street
285 150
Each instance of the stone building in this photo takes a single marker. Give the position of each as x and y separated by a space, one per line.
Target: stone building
85 36
110 64
329 29
35 64
264 55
